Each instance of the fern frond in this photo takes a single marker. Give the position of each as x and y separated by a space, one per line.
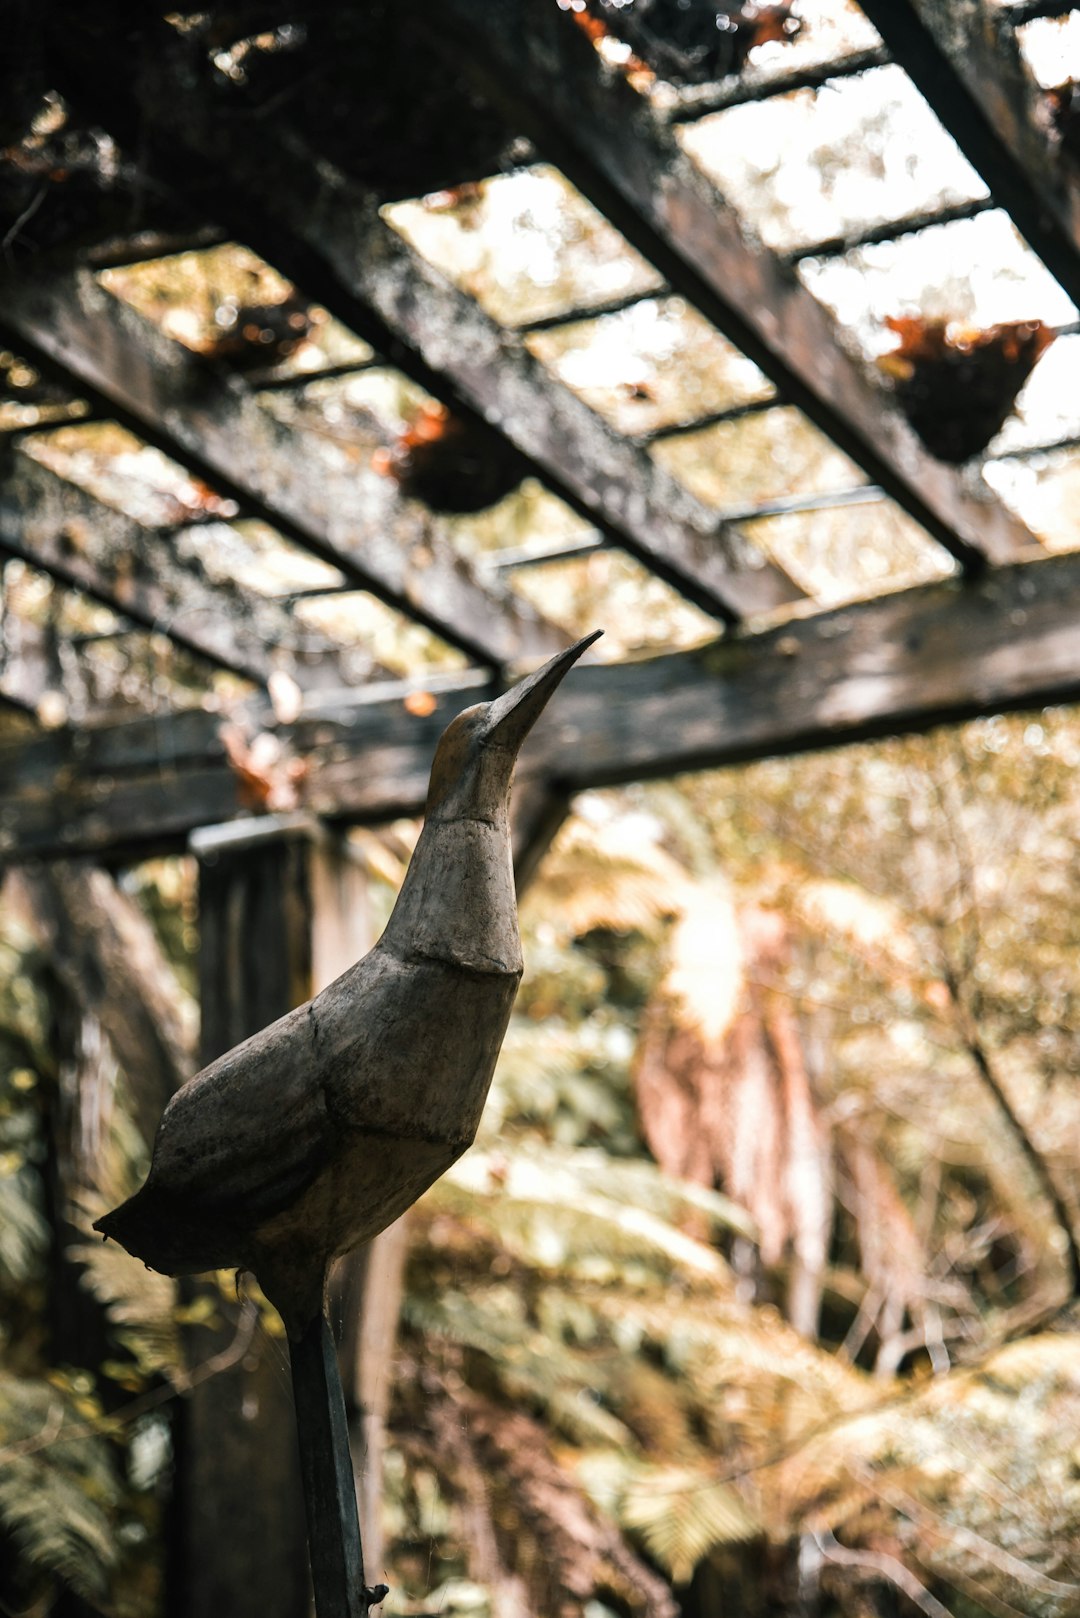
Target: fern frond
24 1235
606 876
681 1514
530 1368
140 1303
981 1464
57 1493
634 1203
706 971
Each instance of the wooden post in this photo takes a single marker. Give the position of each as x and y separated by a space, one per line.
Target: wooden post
281 904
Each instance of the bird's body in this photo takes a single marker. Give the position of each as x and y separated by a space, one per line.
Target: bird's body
317 1132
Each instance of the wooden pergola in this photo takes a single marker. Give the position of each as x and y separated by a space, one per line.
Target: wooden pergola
209 164
202 157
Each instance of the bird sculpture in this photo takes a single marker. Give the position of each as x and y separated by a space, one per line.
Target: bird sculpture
316 1133
319 1131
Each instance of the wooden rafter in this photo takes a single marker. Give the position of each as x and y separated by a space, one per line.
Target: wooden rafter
327 234
698 101
903 662
42 676
890 230
347 516
144 575
608 479
964 57
602 133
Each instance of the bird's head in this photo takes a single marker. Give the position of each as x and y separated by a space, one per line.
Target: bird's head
475 758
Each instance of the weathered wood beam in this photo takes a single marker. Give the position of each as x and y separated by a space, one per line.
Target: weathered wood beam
890 230
341 511
1046 446
1019 12
699 100
593 311
712 418
519 556
537 810
27 669
328 235
586 117
156 580
902 662
256 942
118 252
604 477
964 57
864 494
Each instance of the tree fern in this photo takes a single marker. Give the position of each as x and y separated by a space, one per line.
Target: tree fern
593 1200
979 1468
571 1083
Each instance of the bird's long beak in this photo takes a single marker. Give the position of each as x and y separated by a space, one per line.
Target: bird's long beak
511 716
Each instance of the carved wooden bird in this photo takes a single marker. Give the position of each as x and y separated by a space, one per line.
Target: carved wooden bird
316 1133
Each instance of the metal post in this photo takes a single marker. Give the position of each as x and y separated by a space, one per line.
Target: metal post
337 1560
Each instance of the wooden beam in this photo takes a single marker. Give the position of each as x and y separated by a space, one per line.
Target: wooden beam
147 577
711 418
537 810
343 513
328 235
964 57
1021 11
606 478
27 663
890 230
584 116
260 921
863 494
897 663
699 100
616 305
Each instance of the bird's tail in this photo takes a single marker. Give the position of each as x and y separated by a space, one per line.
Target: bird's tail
122 1224
151 1227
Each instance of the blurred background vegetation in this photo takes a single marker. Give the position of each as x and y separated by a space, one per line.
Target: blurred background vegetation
755 1253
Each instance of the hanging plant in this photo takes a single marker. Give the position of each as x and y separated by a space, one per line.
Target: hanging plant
958 384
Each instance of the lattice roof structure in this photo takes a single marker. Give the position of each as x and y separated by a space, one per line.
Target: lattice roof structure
320 322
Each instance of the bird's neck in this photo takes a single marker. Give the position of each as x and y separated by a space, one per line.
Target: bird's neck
457 903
